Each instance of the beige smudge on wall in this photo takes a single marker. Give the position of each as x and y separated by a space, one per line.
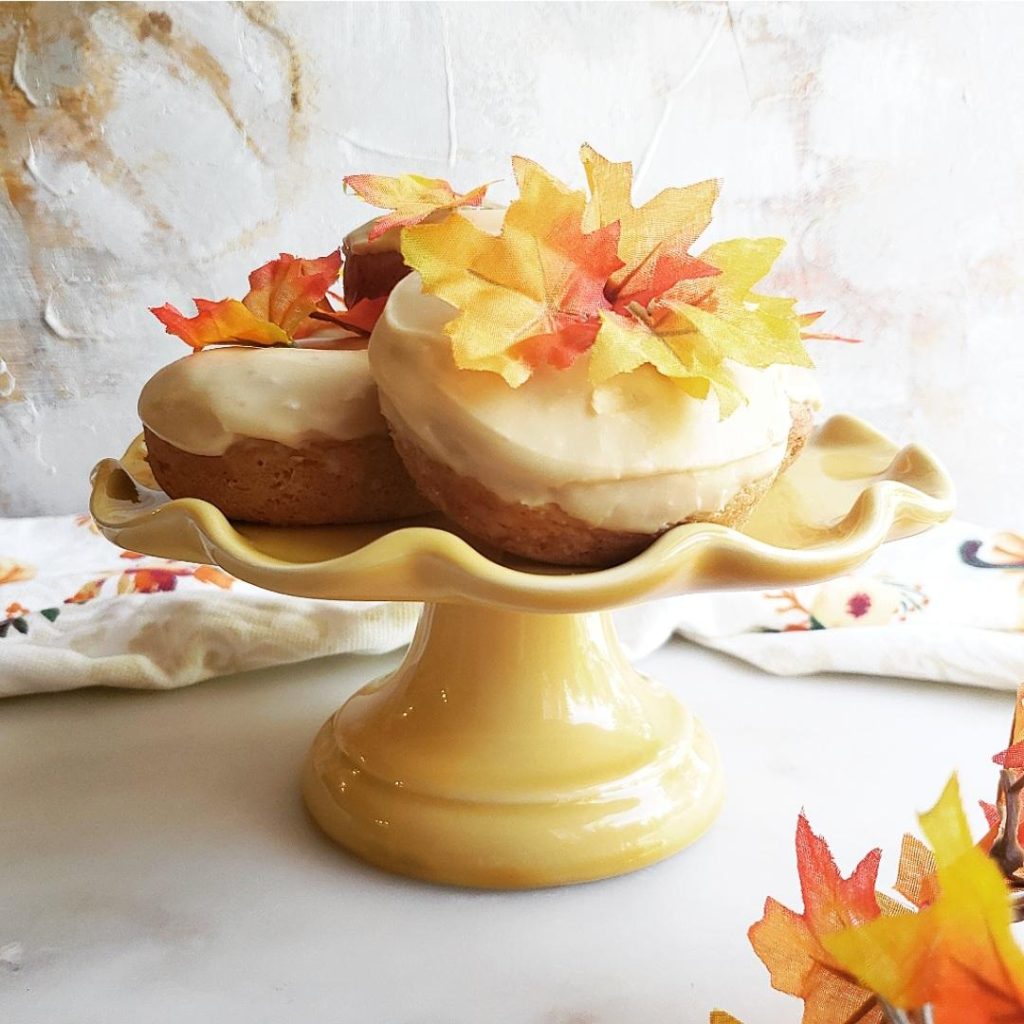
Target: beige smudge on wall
65 176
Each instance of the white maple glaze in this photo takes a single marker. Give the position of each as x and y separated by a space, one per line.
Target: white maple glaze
206 401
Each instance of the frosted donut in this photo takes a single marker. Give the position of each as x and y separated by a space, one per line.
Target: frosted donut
559 471
285 436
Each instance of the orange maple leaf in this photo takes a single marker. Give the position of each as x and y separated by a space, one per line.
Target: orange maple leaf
1011 757
572 274
411 197
276 310
219 323
792 946
529 296
286 290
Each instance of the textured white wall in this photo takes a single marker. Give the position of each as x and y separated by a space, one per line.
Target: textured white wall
154 152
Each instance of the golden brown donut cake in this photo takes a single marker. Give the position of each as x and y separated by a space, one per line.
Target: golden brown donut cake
285 436
571 383
548 533
544 472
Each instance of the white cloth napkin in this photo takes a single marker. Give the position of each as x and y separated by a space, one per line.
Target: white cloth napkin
76 611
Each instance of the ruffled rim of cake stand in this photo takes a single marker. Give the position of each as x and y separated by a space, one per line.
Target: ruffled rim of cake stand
851 490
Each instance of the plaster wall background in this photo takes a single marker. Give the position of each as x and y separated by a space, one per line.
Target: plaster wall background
153 152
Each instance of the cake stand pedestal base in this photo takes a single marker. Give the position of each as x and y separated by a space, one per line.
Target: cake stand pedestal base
513 750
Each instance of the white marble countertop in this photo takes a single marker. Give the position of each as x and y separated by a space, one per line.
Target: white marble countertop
156 863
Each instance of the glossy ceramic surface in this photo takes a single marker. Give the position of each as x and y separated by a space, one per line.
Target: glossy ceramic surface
511 751
849 491
516 747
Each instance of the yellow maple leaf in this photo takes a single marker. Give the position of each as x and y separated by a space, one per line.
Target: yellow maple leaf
654 239
667 339
411 198
275 311
756 330
529 296
685 315
553 286
706 323
957 955
227 320
794 948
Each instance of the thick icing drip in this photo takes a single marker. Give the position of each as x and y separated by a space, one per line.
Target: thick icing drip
637 454
207 401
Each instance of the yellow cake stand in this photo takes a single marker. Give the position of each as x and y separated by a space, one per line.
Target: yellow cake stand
515 746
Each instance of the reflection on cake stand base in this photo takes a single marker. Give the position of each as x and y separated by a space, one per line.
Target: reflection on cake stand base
513 750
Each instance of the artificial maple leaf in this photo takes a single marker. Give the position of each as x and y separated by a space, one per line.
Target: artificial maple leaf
957 955
756 330
917 877
531 295
1011 757
654 239
286 290
792 945
709 297
665 337
275 311
721 1017
218 323
411 198
706 322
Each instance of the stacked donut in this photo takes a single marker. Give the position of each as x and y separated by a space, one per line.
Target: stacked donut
564 379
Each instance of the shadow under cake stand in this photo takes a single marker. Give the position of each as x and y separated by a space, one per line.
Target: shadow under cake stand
515 746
